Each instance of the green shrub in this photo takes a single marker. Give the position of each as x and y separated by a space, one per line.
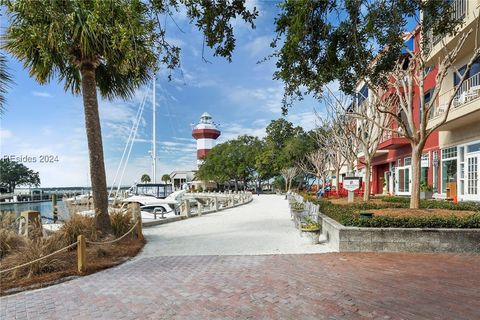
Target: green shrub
348 216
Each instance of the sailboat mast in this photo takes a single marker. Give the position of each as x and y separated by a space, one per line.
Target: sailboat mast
154 149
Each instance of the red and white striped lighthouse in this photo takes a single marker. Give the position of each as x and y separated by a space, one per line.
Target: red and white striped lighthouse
205 132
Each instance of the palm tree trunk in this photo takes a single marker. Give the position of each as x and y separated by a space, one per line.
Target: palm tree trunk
95 148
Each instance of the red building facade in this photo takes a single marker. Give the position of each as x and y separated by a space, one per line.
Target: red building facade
391 167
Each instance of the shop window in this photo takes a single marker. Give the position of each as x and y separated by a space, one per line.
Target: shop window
473 148
424 175
449 173
473 71
449 153
435 171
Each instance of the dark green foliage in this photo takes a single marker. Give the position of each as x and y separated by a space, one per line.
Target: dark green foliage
16 174
322 41
348 215
5 79
231 160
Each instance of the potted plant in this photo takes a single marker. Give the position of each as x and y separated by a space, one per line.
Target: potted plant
297 206
426 191
310 230
297 209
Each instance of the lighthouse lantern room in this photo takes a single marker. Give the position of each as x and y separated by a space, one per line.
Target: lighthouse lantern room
205 132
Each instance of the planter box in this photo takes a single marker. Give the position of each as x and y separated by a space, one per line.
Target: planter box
426 194
355 239
311 236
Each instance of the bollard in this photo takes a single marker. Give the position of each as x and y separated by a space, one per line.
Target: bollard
137 216
54 208
31 224
139 228
81 254
186 208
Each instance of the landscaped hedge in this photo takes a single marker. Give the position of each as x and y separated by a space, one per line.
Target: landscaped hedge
348 215
434 204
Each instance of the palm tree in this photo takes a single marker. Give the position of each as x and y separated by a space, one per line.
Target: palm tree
111 46
166 178
145 178
88 45
5 79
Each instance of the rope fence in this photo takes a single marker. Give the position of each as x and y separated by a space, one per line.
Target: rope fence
81 246
114 240
39 259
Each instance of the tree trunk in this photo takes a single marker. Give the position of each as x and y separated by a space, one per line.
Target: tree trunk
95 148
236 185
366 191
415 177
337 174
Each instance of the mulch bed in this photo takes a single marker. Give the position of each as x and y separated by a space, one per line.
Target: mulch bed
403 212
99 257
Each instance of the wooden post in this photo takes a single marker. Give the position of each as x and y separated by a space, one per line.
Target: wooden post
81 254
137 217
186 208
54 208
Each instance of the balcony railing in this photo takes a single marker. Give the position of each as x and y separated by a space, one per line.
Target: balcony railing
387 135
469 90
459 9
459 12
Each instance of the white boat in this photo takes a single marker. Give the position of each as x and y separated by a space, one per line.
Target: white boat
152 204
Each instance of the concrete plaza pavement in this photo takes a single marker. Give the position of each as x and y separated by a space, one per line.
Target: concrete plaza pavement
260 227
242 279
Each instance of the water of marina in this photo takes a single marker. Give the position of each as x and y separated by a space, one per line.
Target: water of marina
44 207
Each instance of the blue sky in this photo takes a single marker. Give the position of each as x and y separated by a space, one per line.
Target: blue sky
241 96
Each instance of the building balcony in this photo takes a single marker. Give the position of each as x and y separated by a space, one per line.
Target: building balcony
392 140
466 10
465 107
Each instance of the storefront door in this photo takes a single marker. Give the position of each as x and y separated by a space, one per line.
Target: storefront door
403 180
472 177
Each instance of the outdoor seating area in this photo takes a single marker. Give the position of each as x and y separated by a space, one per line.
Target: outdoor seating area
305 216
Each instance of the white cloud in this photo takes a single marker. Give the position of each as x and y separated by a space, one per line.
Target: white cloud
269 98
233 130
259 46
5 134
42 94
306 120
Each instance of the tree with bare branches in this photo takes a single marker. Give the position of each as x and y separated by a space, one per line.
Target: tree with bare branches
288 175
316 164
407 78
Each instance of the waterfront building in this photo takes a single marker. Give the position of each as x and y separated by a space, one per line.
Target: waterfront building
451 157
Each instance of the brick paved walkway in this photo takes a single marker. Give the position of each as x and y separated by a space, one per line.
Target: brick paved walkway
315 286
218 267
